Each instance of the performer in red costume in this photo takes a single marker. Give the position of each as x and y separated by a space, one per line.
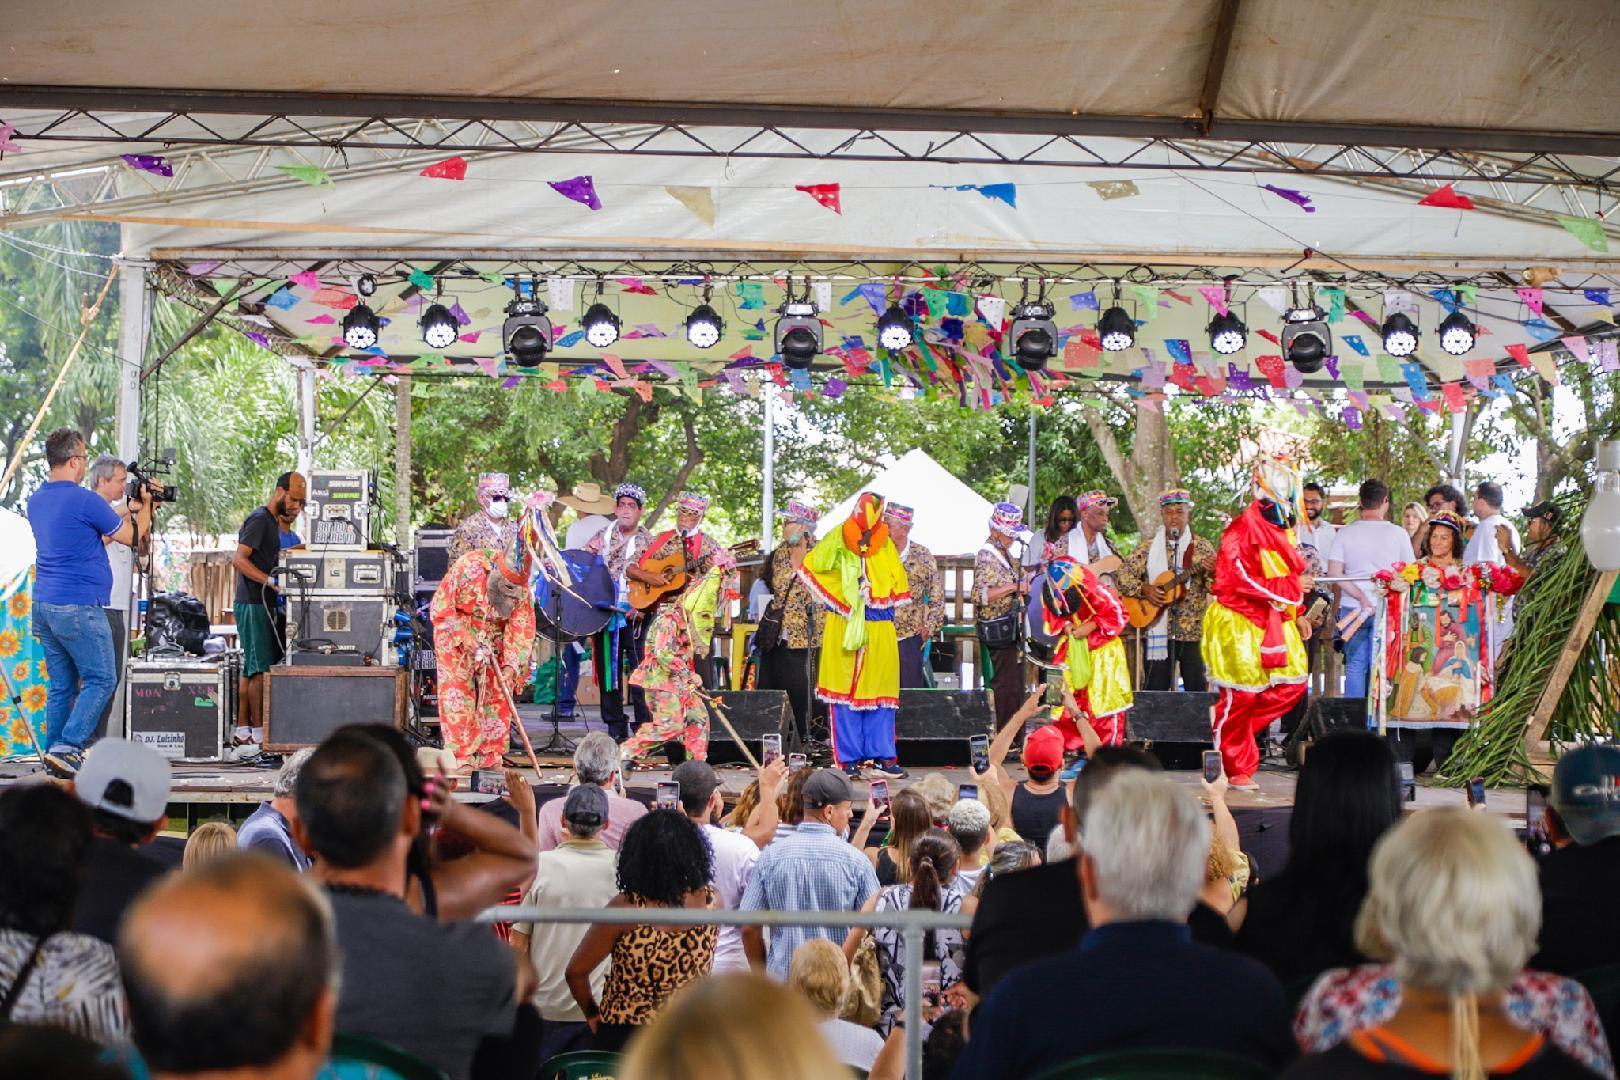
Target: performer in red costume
1253 644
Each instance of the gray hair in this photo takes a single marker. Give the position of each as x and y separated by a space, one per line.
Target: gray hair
1147 840
1469 866
1058 847
103 469
581 831
596 758
286 785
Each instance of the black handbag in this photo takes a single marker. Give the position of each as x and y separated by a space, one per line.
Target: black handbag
769 633
1000 632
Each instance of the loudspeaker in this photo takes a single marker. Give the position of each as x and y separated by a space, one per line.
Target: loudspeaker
1322 715
933 726
303 705
753 713
1178 716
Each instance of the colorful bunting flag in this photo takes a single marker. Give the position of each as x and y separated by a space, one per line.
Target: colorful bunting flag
1531 298
1447 197
449 169
1298 198
420 278
148 163
1355 343
1540 329
313 175
1084 300
581 189
1577 345
825 194
1608 354
1588 231
1113 189
1600 297
1521 353
1215 295
7 144
282 299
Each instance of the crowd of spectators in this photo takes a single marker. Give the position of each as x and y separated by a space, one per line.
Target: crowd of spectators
1387 944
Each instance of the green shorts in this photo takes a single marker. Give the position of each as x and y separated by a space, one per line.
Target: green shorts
256 638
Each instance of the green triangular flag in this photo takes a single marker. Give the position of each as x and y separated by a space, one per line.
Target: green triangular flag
420 278
313 175
1588 231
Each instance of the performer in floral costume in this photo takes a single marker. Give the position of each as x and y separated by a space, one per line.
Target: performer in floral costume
679 634
483 631
855 571
491 526
1437 670
1254 647
1086 618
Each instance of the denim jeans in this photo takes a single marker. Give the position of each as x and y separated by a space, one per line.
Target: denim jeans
1358 650
83 669
568 680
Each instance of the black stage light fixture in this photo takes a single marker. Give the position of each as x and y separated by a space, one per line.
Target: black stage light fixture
527 333
1033 335
1400 334
361 327
1116 329
894 330
439 328
365 285
1458 334
1306 339
1227 334
798 334
601 325
704 326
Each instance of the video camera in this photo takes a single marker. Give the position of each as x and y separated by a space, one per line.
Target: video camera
143 479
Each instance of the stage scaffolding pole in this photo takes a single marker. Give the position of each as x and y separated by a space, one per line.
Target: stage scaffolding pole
767 465
1029 513
402 462
134 308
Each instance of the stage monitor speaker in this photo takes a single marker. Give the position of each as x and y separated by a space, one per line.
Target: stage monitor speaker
1324 715
1174 716
303 705
753 713
933 726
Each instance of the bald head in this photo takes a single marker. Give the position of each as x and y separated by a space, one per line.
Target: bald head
230 965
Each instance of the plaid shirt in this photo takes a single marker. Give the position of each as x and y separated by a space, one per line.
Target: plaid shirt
811 869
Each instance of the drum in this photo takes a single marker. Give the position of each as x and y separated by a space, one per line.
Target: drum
584 607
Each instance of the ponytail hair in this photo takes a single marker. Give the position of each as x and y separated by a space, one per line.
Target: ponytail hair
933 862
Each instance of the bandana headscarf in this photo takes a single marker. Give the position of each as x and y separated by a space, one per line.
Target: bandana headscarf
693 504
801 513
492 485
900 515
630 491
1176 496
1096 498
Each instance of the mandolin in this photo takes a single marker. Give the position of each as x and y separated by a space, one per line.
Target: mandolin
644 596
1141 612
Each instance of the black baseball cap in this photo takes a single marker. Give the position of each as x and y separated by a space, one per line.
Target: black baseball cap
827 787
1549 510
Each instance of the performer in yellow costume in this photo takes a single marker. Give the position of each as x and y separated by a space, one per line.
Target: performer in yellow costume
855 572
1253 648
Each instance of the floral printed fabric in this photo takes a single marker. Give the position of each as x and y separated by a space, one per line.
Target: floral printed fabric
24 664
1347 1000
473 712
672 686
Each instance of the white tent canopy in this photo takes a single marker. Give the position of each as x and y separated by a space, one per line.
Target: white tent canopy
951 518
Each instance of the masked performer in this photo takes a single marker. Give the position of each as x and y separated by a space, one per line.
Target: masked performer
490 527
679 634
1085 618
483 631
1253 648
855 572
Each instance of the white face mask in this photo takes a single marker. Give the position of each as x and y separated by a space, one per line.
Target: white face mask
498 508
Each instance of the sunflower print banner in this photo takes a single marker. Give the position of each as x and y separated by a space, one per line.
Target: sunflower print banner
24 663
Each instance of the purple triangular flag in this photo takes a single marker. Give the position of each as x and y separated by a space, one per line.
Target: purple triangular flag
580 188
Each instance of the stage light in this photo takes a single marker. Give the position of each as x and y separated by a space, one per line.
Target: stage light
1306 339
365 285
439 328
1600 525
1033 334
527 333
703 327
1457 334
798 334
601 325
1116 329
1227 334
1400 334
361 327
894 329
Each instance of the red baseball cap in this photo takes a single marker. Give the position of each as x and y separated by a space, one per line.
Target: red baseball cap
1043 749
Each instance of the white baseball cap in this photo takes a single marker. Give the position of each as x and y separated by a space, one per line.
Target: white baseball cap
111 766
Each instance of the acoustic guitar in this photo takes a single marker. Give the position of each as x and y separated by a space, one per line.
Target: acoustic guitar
1141 612
644 596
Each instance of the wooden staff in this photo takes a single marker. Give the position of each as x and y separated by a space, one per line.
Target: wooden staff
718 712
500 680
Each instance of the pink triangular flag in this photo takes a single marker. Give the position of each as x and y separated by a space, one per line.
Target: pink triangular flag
489 365
449 169
825 194
1447 197
1577 345
321 320
7 146
1532 299
1215 295
615 365
309 279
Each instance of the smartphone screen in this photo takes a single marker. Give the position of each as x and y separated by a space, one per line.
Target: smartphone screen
879 796
770 748
669 795
967 791
797 762
979 751
1535 820
1476 791
488 782
1212 765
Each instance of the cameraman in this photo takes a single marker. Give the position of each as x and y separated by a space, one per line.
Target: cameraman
73 583
109 478
258 548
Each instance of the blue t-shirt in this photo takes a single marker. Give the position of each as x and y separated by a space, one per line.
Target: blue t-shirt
69 522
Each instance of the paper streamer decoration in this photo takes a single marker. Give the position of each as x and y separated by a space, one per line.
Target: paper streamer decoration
1149 297
1447 197
993 309
282 299
1588 231
449 169
1083 300
1215 295
1540 329
1608 355
7 144
1521 353
1351 417
1355 343
559 293
1007 193
1180 350
321 320
420 278
1531 298
1400 300
1504 383
1298 198
750 293
699 201
148 163
1113 189
1274 297
825 194
1577 345
637 286
313 175
821 293
581 189
307 279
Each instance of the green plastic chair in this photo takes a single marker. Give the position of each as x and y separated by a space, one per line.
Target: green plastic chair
361 1056
1159 1065
581 1065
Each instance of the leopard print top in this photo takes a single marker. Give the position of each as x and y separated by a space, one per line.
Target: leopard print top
652 962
